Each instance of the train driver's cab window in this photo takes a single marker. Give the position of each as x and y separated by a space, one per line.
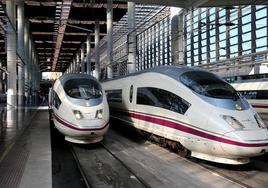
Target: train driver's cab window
161 98
56 100
208 84
83 89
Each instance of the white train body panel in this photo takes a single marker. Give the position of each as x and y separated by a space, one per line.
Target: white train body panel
87 128
256 93
201 129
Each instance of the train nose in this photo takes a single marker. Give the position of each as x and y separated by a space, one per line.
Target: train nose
246 143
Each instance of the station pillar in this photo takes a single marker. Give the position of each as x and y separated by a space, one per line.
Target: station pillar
11 56
77 67
97 50
11 47
1 80
88 54
131 64
83 59
109 37
26 56
21 52
181 40
72 65
29 71
177 36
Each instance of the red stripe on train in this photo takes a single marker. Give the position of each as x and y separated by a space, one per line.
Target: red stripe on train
184 128
71 126
259 106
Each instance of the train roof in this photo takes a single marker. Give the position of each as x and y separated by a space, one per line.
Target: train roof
70 76
171 71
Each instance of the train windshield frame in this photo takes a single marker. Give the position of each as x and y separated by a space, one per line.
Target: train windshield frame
83 88
209 85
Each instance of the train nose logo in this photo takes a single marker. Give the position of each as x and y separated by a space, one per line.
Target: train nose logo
238 107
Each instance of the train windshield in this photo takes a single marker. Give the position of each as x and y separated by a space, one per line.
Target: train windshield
83 89
208 84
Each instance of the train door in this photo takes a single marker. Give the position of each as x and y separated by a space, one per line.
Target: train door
132 102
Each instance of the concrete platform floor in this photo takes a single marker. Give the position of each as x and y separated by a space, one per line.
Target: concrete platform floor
25 149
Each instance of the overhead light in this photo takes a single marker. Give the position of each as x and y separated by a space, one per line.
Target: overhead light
48 59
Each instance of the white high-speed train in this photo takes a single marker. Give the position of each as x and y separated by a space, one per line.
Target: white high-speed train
255 91
79 108
191 110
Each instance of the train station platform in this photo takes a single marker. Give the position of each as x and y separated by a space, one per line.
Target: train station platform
25 149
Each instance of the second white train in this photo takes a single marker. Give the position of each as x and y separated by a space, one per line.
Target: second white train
255 91
193 108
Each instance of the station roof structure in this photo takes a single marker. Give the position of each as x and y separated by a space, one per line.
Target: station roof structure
60 27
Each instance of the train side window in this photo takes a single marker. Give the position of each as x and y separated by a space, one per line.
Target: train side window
56 100
161 98
131 94
262 94
249 94
114 95
145 97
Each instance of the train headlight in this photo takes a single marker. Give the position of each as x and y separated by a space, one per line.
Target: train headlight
234 123
78 114
260 123
99 114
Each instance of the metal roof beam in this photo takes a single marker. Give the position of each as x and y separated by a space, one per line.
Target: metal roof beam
60 26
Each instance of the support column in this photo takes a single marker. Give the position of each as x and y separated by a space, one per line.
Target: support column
26 53
83 58
77 67
131 38
88 54
32 74
21 79
1 80
29 71
11 56
208 36
109 37
176 33
72 66
97 50
217 36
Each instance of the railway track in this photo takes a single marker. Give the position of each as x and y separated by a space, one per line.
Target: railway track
246 176
90 181
233 173
139 178
239 175
224 175
82 172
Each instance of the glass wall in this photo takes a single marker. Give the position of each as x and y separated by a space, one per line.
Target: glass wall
154 45
214 34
